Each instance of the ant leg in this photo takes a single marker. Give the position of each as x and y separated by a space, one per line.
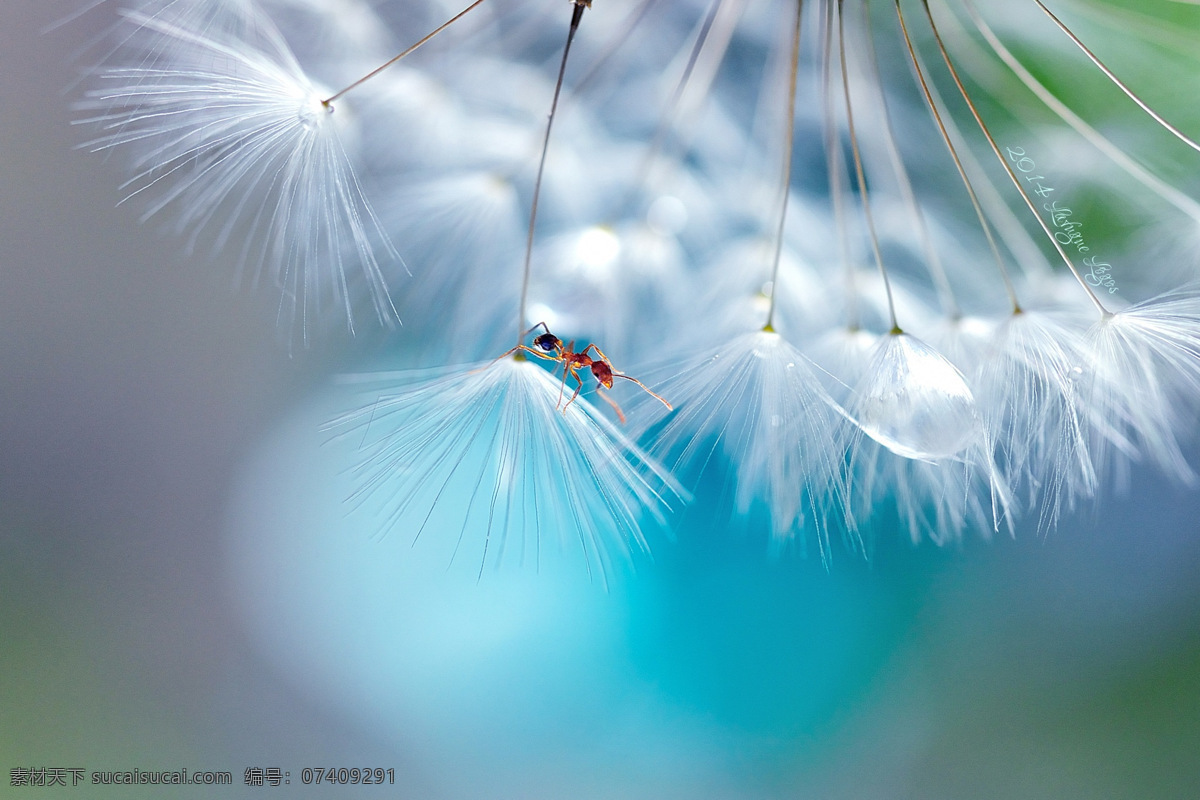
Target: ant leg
542 355
622 375
645 389
519 347
578 389
562 385
613 403
599 352
510 352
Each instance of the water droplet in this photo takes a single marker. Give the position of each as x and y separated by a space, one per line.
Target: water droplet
914 402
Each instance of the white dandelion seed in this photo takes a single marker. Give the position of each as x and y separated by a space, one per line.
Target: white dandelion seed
1146 389
227 131
754 408
488 457
1030 381
755 400
934 455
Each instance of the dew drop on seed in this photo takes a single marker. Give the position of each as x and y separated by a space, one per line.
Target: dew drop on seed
916 403
312 111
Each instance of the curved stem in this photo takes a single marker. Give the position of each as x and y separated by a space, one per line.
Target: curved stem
1180 135
937 272
962 172
1117 155
834 167
860 174
329 100
788 142
1104 312
576 16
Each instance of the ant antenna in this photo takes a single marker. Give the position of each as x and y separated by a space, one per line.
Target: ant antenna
788 143
328 102
576 16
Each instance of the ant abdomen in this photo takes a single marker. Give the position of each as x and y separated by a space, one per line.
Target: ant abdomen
603 373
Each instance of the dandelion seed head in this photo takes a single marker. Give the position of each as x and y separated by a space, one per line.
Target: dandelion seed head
937 500
651 241
225 129
919 445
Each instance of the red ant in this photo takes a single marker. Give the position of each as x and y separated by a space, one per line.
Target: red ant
549 347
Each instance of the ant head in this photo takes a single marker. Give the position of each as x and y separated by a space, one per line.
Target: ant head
547 342
603 373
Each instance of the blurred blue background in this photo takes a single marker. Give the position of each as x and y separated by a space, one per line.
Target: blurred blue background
180 586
